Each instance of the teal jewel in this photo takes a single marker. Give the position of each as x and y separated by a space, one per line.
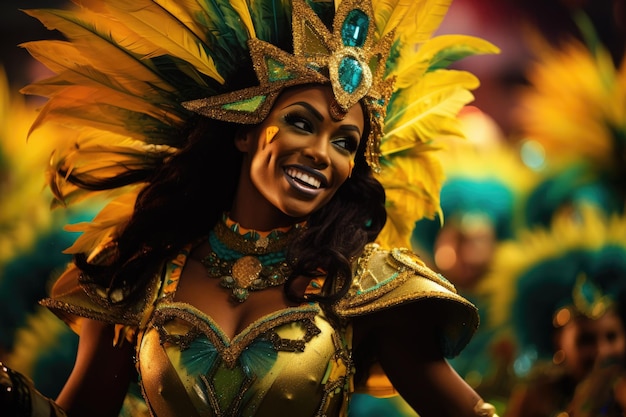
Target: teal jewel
240 294
587 292
350 74
353 34
354 29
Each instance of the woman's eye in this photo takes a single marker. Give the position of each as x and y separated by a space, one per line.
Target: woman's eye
299 122
348 144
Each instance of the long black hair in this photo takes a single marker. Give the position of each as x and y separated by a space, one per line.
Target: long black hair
188 193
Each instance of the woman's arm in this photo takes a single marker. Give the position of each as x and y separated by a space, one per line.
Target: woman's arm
101 375
409 353
96 387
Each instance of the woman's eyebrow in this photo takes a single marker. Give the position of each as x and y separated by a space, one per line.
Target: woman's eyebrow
354 128
309 107
319 116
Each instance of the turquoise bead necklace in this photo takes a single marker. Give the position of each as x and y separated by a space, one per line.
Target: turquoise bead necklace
248 262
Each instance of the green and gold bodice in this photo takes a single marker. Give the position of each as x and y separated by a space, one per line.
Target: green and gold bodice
295 361
291 362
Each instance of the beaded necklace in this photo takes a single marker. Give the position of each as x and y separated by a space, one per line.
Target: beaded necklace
246 260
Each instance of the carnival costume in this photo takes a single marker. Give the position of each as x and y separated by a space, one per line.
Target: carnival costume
130 76
480 200
543 279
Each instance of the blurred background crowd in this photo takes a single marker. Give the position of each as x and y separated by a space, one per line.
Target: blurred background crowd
532 228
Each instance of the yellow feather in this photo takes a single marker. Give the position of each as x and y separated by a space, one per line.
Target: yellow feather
75 97
105 226
412 186
389 13
92 46
82 106
575 104
431 114
420 18
157 33
184 10
94 151
412 65
425 19
241 7
73 67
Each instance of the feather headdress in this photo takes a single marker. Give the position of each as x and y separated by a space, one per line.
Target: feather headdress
575 263
31 238
130 71
574 112
485 181
575 107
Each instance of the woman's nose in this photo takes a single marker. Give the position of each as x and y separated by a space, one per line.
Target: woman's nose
318 151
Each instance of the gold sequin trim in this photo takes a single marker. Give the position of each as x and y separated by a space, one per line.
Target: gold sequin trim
230 350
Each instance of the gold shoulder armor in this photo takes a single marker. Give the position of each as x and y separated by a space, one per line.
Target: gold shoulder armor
384 279
73 298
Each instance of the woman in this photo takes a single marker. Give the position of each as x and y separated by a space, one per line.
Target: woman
252 286
559 293
588 360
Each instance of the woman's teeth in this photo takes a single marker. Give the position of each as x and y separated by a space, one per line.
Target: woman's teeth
304 178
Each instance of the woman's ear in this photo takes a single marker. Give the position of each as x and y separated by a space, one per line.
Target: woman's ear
244 137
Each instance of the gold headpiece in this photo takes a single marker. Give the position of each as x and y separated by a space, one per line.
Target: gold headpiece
349 59
589 299
131 74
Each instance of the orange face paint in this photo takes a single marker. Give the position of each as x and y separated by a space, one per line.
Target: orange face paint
270 133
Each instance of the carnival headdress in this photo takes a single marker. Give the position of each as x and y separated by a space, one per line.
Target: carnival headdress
574 109
131 71
348 58
575 267
580 91
484 184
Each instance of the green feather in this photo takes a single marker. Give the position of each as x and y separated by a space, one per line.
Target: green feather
272 21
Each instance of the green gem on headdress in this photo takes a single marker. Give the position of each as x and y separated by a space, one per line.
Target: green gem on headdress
277 71
349 58
350 74
354 28
247 105
353 34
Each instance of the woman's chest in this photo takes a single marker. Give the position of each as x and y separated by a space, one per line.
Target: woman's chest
289 362
209 295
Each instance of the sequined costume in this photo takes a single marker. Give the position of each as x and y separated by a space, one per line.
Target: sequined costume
295 361
132 77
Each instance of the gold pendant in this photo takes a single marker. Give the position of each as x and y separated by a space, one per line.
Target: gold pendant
246 270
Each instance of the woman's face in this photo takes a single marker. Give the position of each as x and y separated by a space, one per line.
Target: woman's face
587 343
463 253
299 156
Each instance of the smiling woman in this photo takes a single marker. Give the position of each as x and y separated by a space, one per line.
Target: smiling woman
309 157
240 270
